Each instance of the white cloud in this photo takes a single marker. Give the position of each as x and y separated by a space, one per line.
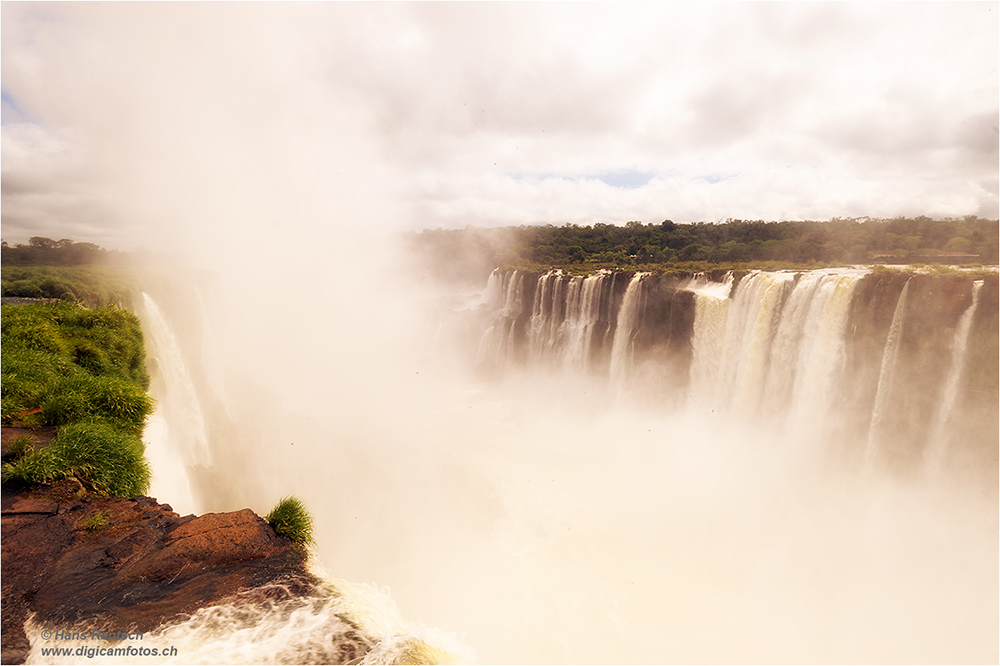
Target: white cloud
189 120
28 154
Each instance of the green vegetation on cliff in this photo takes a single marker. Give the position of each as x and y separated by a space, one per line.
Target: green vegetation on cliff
90 285
84 371
289 518
459 253
105 459
69 271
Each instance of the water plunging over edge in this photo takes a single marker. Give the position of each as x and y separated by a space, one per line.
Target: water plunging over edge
939 440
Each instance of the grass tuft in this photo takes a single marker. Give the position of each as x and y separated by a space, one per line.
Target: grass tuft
19 448
290 518
105 459
95 521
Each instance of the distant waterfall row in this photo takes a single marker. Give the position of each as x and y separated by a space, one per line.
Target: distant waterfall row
894 364
568 318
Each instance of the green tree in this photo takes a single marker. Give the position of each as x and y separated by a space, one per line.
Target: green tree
958 244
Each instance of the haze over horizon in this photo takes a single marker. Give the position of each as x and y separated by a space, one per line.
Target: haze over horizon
173 125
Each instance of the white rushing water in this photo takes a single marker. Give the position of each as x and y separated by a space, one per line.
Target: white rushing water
497 343
582 311
949 393
886 374
628 316
810 352
338 623
540 518
708 348
176 437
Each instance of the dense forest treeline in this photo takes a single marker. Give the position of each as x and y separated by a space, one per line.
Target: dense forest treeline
970 240
68 270
47 252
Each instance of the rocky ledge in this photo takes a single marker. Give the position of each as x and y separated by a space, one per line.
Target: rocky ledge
131 564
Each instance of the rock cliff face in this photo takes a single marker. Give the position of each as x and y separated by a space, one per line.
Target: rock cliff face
128 564
874 363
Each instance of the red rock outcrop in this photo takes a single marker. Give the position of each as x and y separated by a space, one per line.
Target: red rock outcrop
133 564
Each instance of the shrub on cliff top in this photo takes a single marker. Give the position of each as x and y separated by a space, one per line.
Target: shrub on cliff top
289 518
103 458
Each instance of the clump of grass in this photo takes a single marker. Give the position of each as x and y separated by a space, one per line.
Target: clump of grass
115 400
19 448
105 459
27 373
289 518
95 521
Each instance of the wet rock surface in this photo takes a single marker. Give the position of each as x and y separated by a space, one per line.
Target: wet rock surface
38 437
130 564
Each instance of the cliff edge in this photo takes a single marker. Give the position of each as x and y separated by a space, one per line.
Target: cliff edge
127 564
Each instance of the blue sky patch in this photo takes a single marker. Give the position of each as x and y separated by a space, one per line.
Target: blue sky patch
628 179
12 113
714 178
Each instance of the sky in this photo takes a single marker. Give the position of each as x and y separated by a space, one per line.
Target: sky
165 125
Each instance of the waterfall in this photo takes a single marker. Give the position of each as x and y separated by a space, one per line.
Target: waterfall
788 343
708 339
774 349
549 305
817 335
582 311
628 319
572 330
513 301
176 435
560 332
541 526
497 344
749 332
707 345
939 438
885 376
493 294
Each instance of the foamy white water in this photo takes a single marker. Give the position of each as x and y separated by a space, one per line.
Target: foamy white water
176 437
621 347
949 393
886 374
340 623
820 355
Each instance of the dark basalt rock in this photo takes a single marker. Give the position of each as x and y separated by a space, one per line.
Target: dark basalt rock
931 314
139 567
